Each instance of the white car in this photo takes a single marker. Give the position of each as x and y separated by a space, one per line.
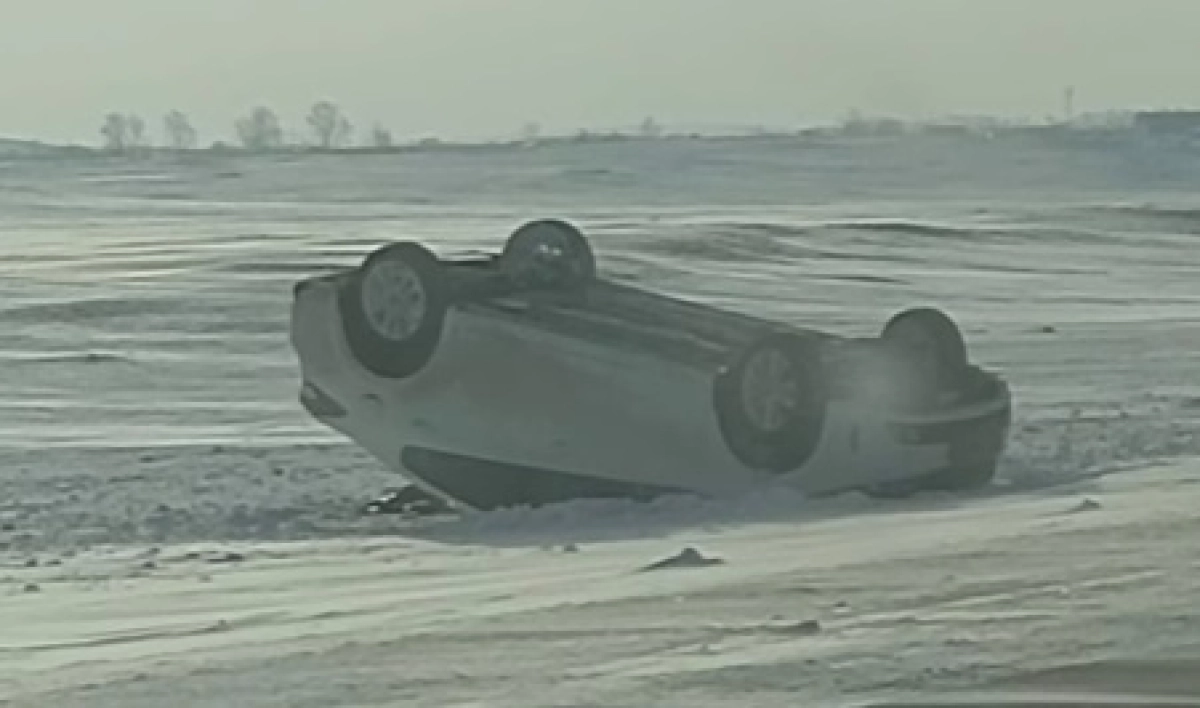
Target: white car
524 378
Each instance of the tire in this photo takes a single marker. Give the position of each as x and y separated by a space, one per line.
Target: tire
548 253
393 309
771 403
928 353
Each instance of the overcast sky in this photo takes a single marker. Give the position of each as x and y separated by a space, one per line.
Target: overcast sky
467 68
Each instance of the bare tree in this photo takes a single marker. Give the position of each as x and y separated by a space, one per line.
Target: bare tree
381 137
123 132
260 130
331 127
180 133
115 131
137 132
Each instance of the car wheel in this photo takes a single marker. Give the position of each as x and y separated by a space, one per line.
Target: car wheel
548 253
771 403
393 309
929 354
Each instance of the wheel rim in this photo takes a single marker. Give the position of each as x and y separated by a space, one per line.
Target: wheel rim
393 299
770 390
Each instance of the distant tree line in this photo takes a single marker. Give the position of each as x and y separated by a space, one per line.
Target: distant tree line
260 130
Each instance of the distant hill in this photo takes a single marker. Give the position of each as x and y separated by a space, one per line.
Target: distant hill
14 147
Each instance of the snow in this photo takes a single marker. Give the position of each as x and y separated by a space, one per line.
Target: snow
174 529
934 592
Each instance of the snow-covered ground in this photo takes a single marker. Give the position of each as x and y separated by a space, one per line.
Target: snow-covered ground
173 528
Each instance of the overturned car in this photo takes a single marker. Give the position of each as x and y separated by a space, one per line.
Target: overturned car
525 378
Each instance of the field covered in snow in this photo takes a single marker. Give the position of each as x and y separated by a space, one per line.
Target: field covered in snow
173 528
